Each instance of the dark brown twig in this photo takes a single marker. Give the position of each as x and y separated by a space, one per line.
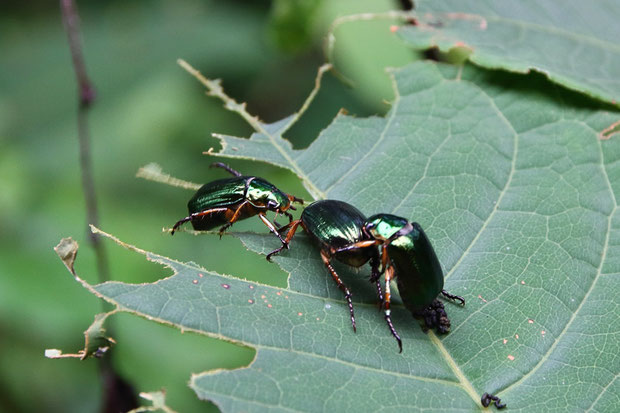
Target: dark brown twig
119 395
86 97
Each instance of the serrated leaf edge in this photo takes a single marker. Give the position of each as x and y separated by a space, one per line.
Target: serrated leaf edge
161 260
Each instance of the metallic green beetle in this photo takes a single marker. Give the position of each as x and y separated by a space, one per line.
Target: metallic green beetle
225 201
408 256
334 226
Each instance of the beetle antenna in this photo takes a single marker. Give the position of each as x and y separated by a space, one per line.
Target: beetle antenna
225 167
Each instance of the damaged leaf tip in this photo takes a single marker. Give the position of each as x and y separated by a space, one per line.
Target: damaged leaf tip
67 250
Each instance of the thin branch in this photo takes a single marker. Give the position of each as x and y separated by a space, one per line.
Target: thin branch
119 395
71 21
86 97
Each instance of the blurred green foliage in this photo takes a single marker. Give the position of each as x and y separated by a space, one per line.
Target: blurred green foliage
292 23
147 110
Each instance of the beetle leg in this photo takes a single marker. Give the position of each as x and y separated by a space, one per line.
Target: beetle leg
357 245
293 198
384 257
374 277
289 235
196 215
223 229
375 273
275 223
225 167
290 217
389 275
453 297
347 294
179 223
273 229
378 271
287 226
233 219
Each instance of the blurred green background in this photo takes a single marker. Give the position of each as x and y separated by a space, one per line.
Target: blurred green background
148 110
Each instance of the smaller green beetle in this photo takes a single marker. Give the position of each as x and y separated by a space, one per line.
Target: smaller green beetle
225 201
408 257
334 226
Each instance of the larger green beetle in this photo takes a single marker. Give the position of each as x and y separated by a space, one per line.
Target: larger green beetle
334 226
408 257
223 202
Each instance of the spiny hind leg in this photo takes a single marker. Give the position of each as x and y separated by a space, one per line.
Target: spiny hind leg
196 215
389 275
347 294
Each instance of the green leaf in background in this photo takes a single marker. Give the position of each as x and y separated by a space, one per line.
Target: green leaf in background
575 43
518 191
292 24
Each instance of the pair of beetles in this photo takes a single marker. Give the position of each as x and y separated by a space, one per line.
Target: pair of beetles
392 245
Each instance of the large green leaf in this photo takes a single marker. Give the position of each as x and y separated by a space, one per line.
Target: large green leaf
574 42
518 192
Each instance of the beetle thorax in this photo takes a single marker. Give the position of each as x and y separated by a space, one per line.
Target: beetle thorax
384 226
262 194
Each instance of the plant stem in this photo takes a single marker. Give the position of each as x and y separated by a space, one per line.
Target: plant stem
86 97
118 394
